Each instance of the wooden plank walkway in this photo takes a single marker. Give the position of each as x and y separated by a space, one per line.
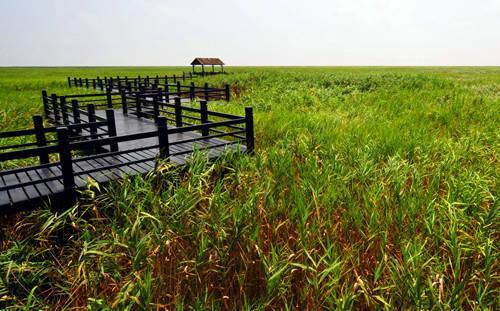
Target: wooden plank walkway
135 157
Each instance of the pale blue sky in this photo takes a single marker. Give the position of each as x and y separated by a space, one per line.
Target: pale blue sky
253 32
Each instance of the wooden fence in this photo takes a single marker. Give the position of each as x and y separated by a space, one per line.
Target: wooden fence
172 87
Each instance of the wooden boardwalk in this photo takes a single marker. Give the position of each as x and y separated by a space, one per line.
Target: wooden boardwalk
138 143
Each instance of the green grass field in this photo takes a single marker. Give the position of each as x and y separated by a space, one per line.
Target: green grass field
371 188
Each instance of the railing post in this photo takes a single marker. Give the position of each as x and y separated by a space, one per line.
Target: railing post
138 107
81 82
178 112
183 76
92 121
206 91
68 176
190 75
249 130
228 93
64 110
45 101
76 115
175 78
108 98
110 116
87 82
166 79
93 84
55 108
75 82
167 95
69 82
124 101
147 80
160 97
178 88
101 84
191 91
156 108
163 137
40 138
204 117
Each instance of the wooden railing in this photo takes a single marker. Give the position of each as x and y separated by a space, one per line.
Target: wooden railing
172 87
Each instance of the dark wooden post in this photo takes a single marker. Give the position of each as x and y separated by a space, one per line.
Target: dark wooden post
190 75
108 98
110 117
228 93
64 110
175 78
191 91
75 82
163 137
178 112
204 117
81 82
156 108
249 130
93 84
178 88
66 165
45 101
76 115
183 76
166 79
55 108
167 94
40 138
206 91
160 96
147 81
69 82
138 105
101 85
87 82
124 101
92 121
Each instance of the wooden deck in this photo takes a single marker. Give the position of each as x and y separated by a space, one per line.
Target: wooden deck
28 187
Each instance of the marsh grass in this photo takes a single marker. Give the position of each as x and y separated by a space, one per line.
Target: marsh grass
371 188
